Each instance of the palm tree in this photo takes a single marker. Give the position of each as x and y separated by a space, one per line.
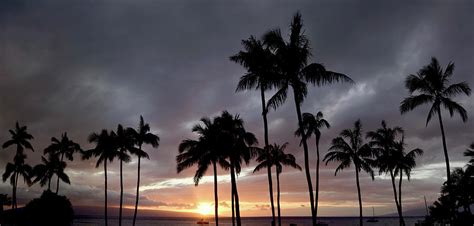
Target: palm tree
125 143
277 158
14 170
356 152
431 85
295 71
259 64
312 125
44 172
470 153
21 138
236 142
202 152
142 136
406 162
64 148
106 150
383 144
4 201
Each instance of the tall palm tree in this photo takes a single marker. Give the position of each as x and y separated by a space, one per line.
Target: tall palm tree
4 201
21 139
406 162
383 144
63 148
125 144
312 124
105 150
295 71
142 136
277 158
49 167
202 152
14 171
431 85
354 151
237 143
259 63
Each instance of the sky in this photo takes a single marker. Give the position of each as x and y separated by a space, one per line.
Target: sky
81 66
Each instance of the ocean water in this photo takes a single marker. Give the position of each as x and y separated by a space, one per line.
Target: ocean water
252 221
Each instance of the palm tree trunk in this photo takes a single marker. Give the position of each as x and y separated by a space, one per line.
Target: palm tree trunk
278 199
16 186
361 221
57 183
138 190
445 149
400 191
316 198
233 205
13 192
49 184
105 189
236 196
216 200
269 168
121 193
400 216
306 158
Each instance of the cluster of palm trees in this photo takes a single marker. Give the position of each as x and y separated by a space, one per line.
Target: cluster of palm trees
273 63
109 145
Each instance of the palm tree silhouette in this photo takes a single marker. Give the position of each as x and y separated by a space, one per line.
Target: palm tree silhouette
383 144
278 158
14 170
470 153
295 71
259 64
142 136
21 138
404 164
64 148
105 150
312 125
49 167
237 142
4 201
431 86
353 152
125 143
202 152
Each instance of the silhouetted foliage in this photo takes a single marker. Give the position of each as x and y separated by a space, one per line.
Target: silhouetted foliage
4 201
48 210
49 167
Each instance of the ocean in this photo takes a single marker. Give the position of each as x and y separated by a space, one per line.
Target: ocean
250 221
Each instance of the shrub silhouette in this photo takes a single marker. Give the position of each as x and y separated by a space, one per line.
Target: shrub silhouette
48 210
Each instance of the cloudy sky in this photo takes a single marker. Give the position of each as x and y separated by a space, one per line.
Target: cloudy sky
80 66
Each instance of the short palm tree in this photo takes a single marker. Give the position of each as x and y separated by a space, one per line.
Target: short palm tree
404 164
142 136
312 124
21 139
237 143
431 85
354 151
125 144
295 71
62 148
14 171
105 150
277 158
382 142
202 152
44 172
259 63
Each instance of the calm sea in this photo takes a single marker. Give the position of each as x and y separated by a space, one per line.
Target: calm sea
253 221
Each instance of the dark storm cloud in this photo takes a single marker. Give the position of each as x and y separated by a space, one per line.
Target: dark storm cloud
81 66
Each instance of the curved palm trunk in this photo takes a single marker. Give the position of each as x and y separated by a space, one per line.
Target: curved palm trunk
306 159
121 194
316 198
361 221
57 183
236 196
138 190
445 149
269 168
216 200
278 199
400 192
400 216
105 189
